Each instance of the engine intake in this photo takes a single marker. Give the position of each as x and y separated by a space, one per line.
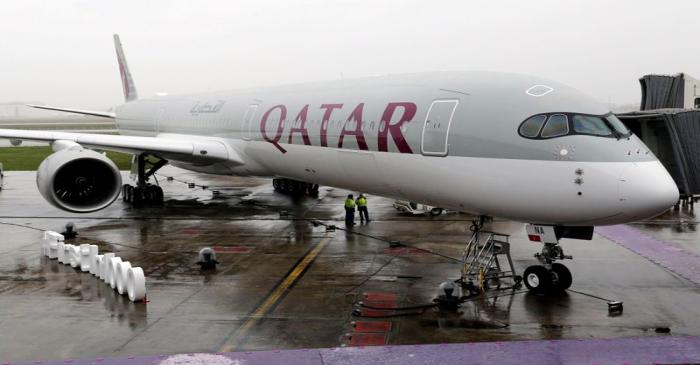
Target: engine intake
79 180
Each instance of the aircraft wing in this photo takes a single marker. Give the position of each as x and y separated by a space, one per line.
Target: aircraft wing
175 147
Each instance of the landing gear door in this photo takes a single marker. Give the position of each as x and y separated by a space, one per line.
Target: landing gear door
436 128
247 125
538 233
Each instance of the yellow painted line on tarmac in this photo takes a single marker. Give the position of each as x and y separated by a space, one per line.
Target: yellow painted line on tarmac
275 296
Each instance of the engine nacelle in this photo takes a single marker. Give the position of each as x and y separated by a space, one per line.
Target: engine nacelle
79 180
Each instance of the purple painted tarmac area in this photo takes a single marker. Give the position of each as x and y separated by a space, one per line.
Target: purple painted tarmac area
639 350
684 263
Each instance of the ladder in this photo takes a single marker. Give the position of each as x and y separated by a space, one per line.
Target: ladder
486 259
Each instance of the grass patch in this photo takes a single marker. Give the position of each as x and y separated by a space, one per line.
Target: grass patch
29 158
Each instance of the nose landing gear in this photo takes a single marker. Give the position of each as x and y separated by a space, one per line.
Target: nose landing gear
550 276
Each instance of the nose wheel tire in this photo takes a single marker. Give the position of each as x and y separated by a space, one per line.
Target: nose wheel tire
538 279
562 277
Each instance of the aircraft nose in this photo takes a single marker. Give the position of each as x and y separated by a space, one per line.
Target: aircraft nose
646 190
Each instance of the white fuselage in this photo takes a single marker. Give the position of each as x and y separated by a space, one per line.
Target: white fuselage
448 140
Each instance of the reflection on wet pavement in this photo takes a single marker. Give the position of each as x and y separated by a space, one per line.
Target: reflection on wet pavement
56 312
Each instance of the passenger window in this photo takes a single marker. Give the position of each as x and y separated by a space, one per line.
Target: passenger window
557 125
531 127
588 124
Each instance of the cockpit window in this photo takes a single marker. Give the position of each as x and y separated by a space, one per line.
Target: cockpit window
557 125
531 127
618 125
564 124
588 124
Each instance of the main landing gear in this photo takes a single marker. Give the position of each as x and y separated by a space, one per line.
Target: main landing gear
550 276
144 193
294 188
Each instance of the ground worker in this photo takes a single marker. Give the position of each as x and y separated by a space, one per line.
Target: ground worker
350 211
362 208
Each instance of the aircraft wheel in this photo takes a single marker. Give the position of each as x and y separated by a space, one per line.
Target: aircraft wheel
313 190
137 196
303 188
153 194
129 194
158 194
146 194
276 184
125 187
562 277
538 279
436 212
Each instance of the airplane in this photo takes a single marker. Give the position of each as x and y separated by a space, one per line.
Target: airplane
489 143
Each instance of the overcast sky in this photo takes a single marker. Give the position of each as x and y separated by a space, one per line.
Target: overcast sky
61 52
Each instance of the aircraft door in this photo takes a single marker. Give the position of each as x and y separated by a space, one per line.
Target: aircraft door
246 126
436 128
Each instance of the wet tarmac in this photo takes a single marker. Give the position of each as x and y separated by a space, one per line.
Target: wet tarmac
283 282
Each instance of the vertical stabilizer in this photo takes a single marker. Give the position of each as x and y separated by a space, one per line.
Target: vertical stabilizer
127 81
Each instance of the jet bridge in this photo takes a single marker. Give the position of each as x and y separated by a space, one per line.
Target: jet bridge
661 91
673 135
669 124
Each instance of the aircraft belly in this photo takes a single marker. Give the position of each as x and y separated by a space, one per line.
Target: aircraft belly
524 190
363 173
529 191
353 170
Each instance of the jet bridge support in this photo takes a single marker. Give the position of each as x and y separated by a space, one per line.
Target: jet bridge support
144 193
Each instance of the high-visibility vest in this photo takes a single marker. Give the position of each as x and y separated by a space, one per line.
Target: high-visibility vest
362 201
349 203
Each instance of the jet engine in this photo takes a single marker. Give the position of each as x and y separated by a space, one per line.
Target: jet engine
78 180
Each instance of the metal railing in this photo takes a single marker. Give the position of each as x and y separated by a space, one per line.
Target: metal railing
480 259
